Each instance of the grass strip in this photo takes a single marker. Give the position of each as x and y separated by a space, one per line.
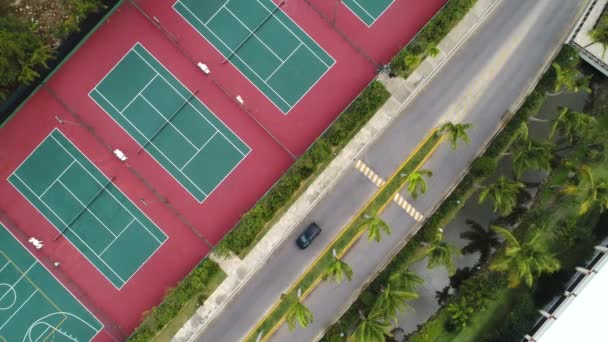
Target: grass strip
349 235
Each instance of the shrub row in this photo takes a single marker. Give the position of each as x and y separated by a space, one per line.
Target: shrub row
481 168
195 285
253 223
430 36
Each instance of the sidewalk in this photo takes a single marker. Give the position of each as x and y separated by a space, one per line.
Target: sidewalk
402 91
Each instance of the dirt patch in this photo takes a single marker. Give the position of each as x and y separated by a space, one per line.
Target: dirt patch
46 15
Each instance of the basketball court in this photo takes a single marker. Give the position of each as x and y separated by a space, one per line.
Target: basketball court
169 122
263 43
87 209
34 306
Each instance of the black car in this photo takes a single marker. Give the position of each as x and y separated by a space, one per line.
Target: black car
308 235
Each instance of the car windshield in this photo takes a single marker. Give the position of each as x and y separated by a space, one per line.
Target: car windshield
303 238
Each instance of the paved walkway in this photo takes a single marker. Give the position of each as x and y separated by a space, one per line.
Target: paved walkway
402 91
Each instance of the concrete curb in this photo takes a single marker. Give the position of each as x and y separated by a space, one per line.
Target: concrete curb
505 119
336 170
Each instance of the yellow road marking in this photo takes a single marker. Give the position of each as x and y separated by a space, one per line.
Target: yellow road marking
358 164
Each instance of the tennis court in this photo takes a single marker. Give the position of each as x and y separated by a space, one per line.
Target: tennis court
87 209
169 122
34 306
263 43
368 10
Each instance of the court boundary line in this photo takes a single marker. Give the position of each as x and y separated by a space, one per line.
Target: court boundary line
56 279
244 154
125 281
151 143
358 17
76 235
243 74
189 93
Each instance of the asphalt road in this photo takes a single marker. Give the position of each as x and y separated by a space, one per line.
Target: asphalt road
478 85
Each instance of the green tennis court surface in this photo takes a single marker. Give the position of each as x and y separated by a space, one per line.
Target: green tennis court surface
261 41
34 306
166 119
368 10
87 208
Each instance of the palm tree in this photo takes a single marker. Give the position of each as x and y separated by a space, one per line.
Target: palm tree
405 280
370 329
412 61
571 124
568 78
440 254
460 312
600 35
337 270
390 302
595 193
456 132
416 184
503 193
480 240
524 261
298 313
522 131
532 155
375 226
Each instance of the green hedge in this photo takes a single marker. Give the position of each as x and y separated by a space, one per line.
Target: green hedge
254 222
430 36
481 168
194 286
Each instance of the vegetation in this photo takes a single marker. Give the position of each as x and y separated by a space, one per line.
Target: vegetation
416 184
298 313
425 42
440 253
504 194
481 240
524 261
254 223
337 270
368 217
29 36
552 237
487 289
199 284
599 34
375 226
456 132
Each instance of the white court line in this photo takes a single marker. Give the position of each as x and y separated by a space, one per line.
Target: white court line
216 12
87 209
117 236
289 105
364 10
139 93
189 103
23 274
19 309
111 194
56 179
200 149
283 62
151 143
63 286
235 54
254 35
361 19
49 327
77 236
168 122
3 267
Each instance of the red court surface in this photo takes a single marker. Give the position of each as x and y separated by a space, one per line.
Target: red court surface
142 176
